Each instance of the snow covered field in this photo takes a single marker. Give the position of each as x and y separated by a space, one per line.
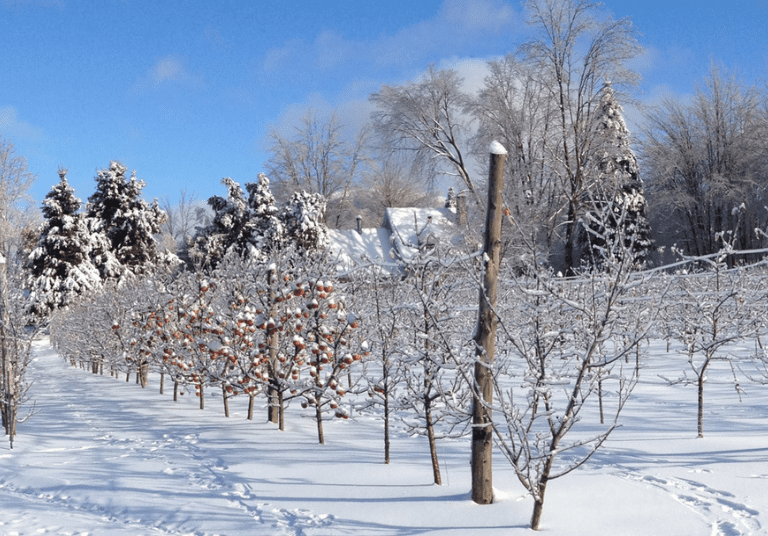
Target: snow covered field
104 457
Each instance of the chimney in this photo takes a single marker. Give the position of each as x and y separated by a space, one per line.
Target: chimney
461 209
359 220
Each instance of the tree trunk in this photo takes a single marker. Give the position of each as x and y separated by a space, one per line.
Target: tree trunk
485 339
162 381
273 406
281 407
175 391
700 413
600 399
144 374
319 417
226 400
251 400
273 410
570 239
202 396
538 501
386 423
538 507
432 442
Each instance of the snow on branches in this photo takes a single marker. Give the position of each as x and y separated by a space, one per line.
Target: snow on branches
255 227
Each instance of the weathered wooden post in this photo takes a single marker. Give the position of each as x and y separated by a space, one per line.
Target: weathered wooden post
485 338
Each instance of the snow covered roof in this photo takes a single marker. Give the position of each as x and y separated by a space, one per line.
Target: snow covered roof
413 229
405 232
353 248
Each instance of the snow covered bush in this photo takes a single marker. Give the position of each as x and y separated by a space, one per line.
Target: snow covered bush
304 216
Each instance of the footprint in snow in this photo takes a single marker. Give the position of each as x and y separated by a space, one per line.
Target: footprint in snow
708 502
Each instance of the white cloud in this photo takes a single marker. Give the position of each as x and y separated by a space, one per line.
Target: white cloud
168 69
277 57
11 126
472 70
456 24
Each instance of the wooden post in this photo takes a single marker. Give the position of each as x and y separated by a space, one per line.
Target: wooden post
485 338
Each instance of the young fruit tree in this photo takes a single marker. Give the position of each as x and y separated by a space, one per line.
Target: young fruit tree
560 341
378 298
436 397
711 310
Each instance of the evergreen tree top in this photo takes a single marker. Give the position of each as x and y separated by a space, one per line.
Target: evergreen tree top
60 200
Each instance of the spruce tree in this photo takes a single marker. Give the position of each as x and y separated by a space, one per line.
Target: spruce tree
127 221
60 266
615 222
304 220
230 231
255 227
269 229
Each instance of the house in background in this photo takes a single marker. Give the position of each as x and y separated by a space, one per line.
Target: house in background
404 233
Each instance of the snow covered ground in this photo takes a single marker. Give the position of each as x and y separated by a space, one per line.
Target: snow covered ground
104 457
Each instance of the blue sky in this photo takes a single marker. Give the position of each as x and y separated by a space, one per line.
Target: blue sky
185 92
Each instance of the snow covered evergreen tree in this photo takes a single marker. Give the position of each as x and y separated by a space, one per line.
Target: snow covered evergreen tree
60 266
304 220
231 230
616 219
255 227
126 220
269 229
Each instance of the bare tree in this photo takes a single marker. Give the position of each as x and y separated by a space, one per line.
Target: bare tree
561 341
436 394
15 348
184 218
319 159
426 117
17 211
705 158
577 50
712 309
513 108
378 298
387 184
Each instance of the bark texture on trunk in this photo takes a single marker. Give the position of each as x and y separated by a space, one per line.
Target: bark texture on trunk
485 339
